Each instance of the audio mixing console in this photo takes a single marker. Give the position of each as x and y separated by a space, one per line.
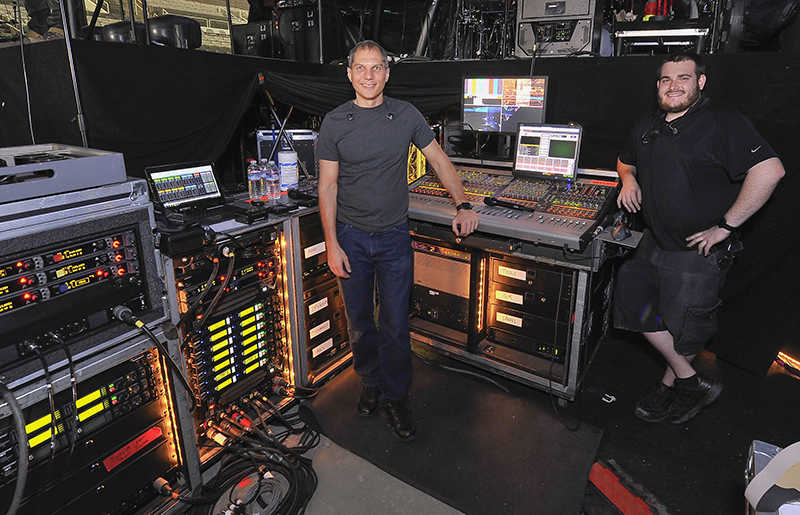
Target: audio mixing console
550 212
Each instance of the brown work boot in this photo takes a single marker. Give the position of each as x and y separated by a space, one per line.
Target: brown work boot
54 33
32 37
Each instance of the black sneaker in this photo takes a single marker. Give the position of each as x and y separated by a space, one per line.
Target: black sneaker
368 402
399 420
694 394
656 404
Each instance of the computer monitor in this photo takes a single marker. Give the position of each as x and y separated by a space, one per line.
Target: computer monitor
184 185
499 104
547 151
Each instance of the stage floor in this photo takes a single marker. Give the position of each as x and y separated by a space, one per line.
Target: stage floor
697 467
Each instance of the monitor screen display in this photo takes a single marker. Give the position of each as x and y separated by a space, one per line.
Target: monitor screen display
499 104
547 151
176 186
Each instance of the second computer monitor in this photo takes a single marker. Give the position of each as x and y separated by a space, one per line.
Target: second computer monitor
500 104
547 151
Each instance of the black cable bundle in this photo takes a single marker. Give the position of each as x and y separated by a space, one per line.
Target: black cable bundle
204 318
258 472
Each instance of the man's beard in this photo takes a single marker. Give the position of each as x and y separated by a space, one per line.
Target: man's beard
688 101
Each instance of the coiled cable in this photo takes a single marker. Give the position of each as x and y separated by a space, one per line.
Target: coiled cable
22 448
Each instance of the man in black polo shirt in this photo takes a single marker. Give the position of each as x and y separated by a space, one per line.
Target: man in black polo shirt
698 170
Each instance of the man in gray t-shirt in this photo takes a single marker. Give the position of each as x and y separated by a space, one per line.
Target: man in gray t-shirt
363 201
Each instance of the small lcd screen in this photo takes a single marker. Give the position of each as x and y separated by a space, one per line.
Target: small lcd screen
499 104
183 186
547 151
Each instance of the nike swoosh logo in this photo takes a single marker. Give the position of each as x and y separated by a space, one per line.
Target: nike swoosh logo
755 149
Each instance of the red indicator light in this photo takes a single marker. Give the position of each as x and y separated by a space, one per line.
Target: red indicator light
23 280
271 273
222 278
118 258
260 265
20 264
120 271
27 296
116 244
262 274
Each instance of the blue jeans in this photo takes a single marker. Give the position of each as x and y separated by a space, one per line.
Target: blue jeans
382 352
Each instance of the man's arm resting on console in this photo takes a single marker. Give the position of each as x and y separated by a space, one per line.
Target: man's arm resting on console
466 221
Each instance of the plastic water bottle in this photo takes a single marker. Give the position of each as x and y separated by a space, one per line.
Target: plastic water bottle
254 180
273 190
264 166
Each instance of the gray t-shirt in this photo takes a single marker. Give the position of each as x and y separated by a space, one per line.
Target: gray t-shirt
371 146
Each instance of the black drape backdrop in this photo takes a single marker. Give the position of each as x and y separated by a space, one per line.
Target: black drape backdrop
157 105
162 104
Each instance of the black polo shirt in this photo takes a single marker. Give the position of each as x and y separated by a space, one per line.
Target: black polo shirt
691 169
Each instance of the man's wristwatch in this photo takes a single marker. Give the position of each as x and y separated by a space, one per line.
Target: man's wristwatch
723 224
464 205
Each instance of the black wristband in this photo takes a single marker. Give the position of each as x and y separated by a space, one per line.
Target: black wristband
723 224
464 205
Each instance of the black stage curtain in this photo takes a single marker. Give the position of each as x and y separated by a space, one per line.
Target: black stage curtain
159 105
162 104
155 105
49 93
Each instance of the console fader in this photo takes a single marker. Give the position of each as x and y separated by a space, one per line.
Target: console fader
477 185
558 213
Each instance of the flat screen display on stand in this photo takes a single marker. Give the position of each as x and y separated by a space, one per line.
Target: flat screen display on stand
547 151
185 185
500 104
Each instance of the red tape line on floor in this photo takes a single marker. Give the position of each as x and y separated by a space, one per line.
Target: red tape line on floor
608 483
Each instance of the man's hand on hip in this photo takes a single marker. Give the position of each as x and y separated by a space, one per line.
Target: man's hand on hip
707 239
